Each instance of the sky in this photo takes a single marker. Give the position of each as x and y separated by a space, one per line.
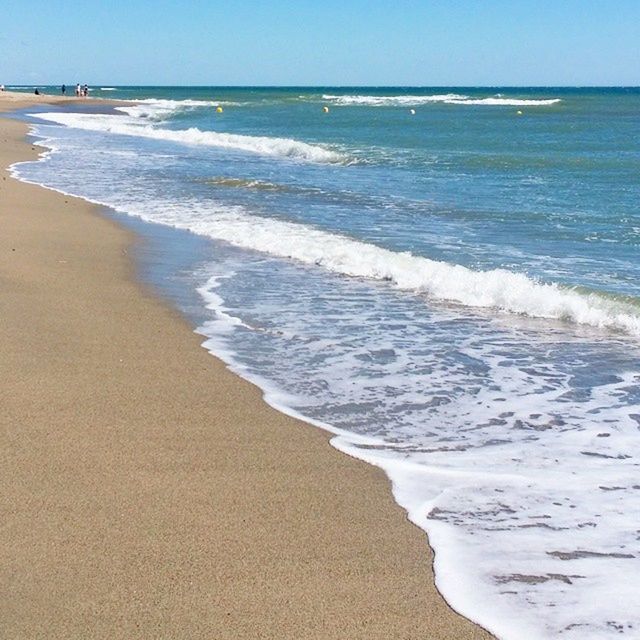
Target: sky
321 43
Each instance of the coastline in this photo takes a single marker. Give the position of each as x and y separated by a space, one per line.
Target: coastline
150 492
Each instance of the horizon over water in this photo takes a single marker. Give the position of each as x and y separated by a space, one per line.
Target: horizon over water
445 278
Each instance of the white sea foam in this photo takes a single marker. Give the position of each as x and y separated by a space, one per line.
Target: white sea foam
159 110
447 98
498 289
108 89
512 102
390 101
137 126
525 483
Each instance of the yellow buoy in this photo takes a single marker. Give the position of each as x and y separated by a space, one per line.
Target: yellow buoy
519 112
325 109
219 109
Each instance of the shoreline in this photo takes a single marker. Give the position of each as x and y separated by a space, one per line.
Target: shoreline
149 491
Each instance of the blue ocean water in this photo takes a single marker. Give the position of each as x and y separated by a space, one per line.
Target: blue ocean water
445 278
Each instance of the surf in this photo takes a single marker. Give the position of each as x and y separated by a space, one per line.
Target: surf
447 98
499 289
262 145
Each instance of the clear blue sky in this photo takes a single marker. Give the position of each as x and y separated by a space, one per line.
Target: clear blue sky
324 42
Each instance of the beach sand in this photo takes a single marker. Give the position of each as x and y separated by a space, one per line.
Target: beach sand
150 493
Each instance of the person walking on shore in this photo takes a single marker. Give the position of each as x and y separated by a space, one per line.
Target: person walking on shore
63 89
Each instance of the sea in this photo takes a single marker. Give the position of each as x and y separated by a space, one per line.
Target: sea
445 279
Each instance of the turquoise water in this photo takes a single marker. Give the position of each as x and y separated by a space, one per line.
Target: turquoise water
445 278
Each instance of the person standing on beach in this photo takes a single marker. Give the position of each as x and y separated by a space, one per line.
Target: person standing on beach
77 90
63 89
85 91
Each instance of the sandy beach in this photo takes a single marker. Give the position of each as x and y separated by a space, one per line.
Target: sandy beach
150 493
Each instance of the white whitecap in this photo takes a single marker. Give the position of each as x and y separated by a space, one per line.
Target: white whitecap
159 110
506 102
263 145
499 289
389 101
447 98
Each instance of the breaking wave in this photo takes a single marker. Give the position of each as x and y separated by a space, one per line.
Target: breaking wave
262 145
159 110
509 102
447 98
497 289
390 101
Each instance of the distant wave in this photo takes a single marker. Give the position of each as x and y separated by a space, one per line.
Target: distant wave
263 145
159 110
447 98
108 89
512 102
390 101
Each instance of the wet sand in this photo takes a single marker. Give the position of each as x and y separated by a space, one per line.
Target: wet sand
150 493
